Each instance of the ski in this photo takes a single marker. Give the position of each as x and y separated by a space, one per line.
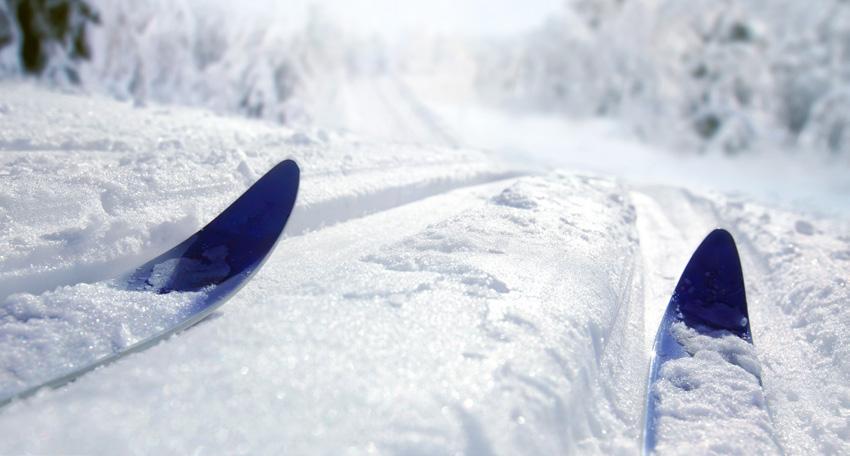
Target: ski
709 300
211 265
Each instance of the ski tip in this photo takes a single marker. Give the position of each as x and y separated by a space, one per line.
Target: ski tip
262 211
289 170
282 181
231 246
711 291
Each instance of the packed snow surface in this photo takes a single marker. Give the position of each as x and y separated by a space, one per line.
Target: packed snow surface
425 299
46 336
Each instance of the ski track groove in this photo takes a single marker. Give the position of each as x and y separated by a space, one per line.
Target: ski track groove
339 210
795 380
678 226
753 262
671 222
305 218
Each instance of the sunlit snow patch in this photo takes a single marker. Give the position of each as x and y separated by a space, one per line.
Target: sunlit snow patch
53 334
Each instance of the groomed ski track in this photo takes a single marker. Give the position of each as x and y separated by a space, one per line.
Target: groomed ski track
803 386
393 320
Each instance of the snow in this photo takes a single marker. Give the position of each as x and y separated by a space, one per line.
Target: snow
713 398
499 318
342 330
128 200
456 278
803 384
46 336
801 296
602 145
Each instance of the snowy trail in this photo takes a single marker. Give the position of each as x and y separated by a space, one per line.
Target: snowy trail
795 264
383 107
410 306
153 178
182 354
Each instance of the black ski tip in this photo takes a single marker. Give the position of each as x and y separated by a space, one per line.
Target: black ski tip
711 292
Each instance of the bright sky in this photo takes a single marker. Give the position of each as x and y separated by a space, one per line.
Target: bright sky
467 17
388 18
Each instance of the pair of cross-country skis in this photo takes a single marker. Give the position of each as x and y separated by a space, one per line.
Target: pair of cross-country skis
708 309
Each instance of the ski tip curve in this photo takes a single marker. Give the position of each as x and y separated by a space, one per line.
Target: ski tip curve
248 229
272 195
711 292
234 244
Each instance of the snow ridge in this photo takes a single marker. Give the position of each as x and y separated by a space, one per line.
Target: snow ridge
171 174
